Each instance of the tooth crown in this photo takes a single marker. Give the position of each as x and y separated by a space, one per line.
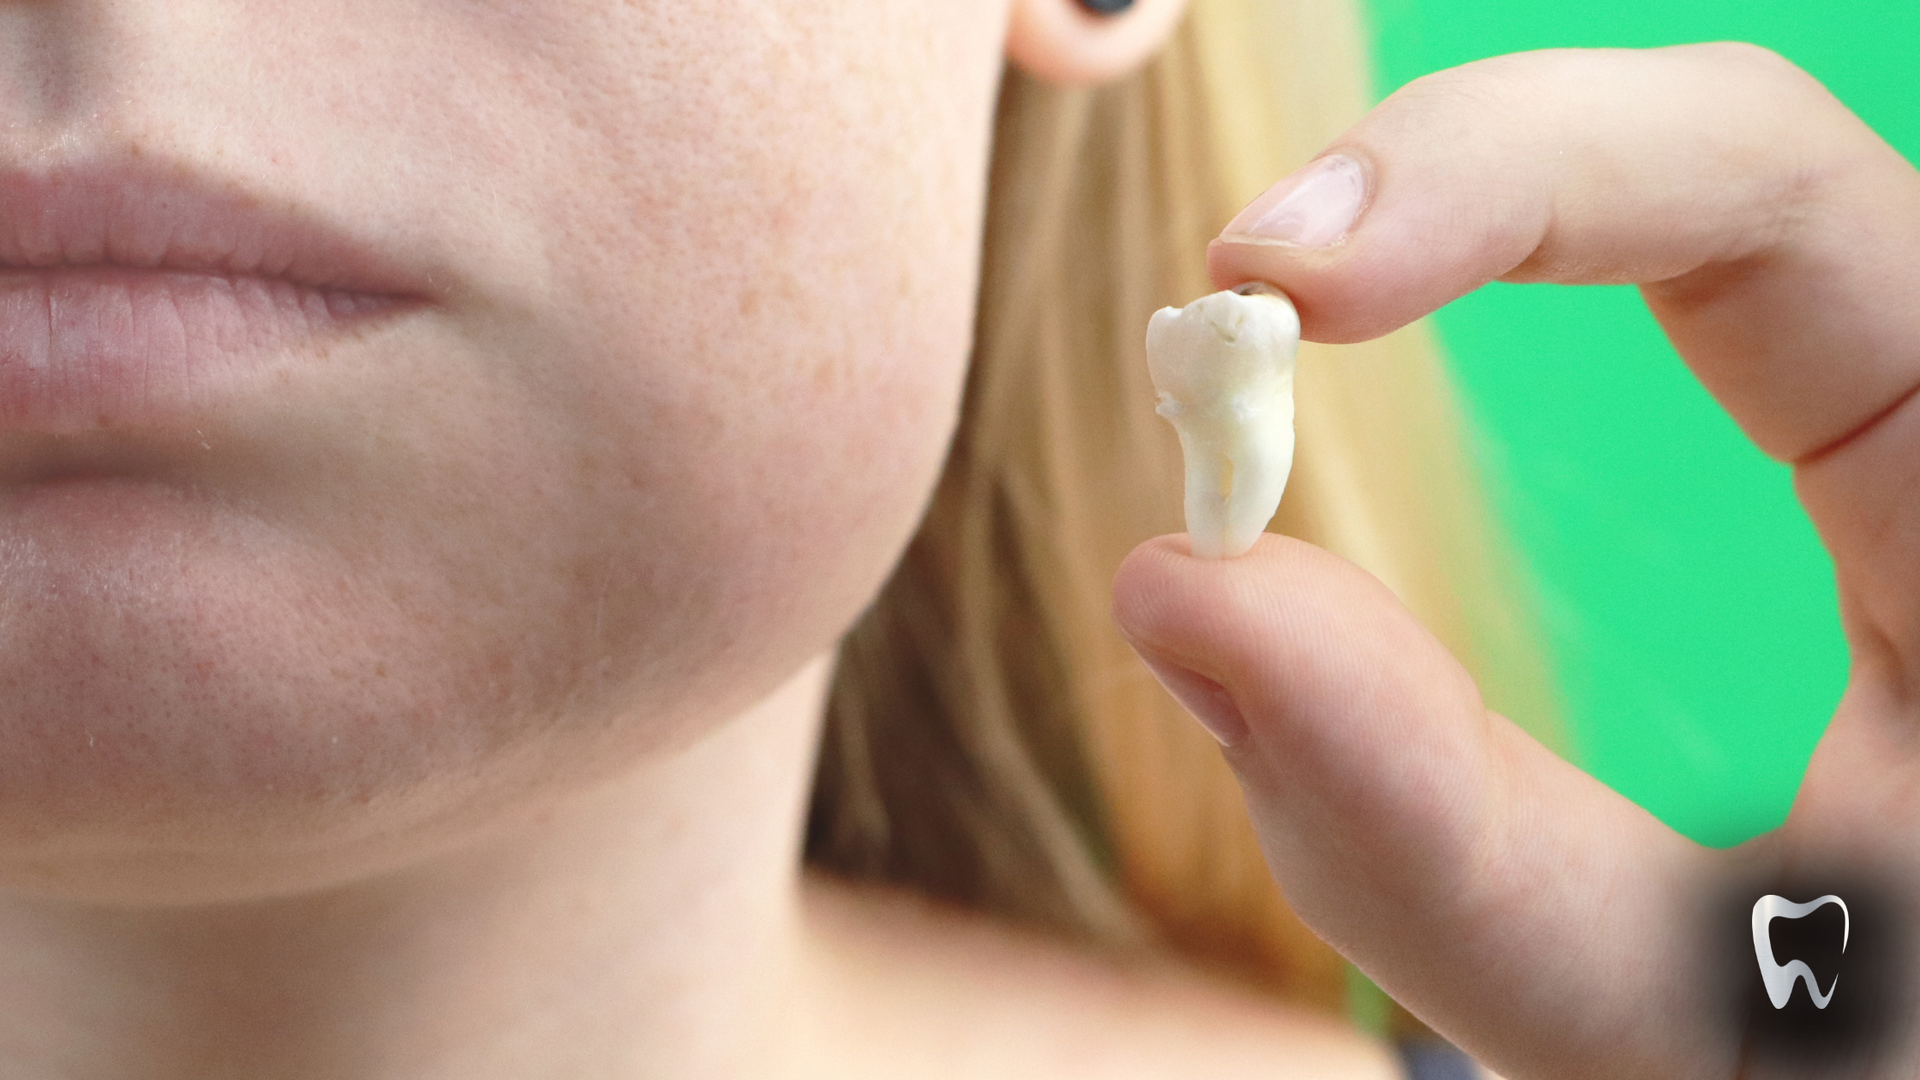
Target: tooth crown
1223 369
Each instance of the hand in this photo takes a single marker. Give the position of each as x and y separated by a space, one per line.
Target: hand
1544 923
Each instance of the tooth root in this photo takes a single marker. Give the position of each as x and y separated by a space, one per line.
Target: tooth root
1262 458
1206 494
1234 483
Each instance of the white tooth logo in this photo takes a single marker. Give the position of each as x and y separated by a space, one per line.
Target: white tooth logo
1780 979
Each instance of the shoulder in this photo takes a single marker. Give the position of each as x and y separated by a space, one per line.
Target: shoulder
910 987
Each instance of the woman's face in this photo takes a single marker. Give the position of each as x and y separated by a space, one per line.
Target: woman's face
692 285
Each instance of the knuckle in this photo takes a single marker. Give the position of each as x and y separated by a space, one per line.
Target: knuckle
1770 72
1484 85
1812 141
1456 107
1509 98
1748 54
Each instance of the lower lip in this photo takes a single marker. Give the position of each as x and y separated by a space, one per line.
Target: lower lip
93 347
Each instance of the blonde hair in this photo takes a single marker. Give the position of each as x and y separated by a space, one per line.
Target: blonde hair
990 738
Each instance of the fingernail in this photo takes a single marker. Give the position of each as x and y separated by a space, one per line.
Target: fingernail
1207 700
1314 208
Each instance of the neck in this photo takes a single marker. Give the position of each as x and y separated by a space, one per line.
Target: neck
648 928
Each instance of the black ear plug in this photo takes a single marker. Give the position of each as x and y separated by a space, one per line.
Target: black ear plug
1106 7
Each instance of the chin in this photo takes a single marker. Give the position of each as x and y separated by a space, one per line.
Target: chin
195 708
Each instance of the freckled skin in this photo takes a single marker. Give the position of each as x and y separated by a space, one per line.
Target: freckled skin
657 445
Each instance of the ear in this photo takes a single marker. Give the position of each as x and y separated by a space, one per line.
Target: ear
1065 41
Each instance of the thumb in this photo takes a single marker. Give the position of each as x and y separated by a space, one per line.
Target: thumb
1511 901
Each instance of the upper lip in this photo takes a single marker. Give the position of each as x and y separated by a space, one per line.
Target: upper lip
145 214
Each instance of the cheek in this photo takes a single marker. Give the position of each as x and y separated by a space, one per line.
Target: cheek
736 345
766 486
772 307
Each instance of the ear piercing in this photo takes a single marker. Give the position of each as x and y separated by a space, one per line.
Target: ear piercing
1106 7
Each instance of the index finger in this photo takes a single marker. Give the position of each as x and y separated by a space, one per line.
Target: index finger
1773 232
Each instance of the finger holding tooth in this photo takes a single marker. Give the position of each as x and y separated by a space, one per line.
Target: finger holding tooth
1223 369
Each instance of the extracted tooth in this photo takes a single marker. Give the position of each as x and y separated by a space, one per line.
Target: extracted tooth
1223 367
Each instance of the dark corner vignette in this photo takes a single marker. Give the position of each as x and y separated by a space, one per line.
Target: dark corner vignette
1866 946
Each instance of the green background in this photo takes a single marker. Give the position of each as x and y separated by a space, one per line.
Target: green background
1689 608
